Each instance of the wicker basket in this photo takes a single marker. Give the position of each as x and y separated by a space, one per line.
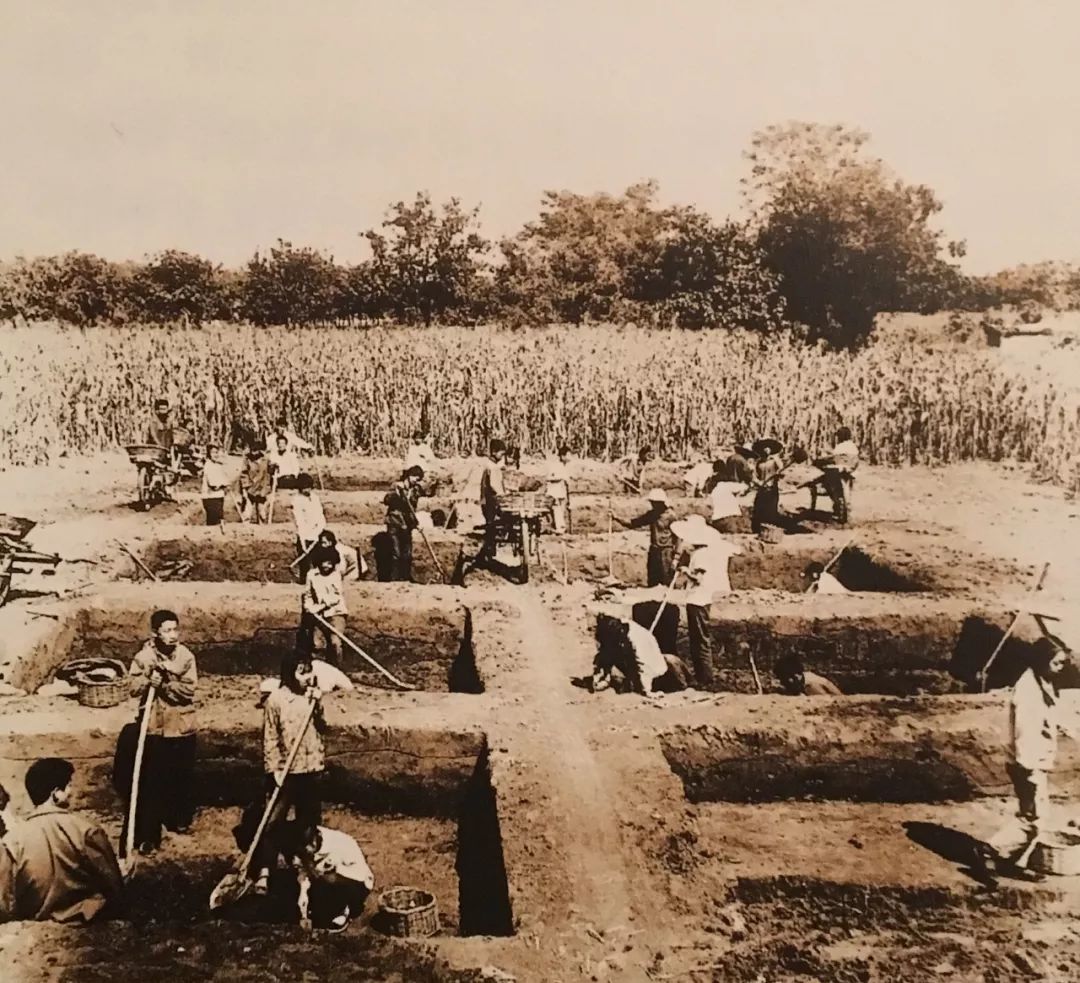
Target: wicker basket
527 505
771 534
94 693
408 911
1057 853
147 454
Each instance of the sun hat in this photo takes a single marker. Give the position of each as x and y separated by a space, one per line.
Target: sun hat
695 531
657 495
768 446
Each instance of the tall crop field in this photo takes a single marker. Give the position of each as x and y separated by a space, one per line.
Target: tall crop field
605 390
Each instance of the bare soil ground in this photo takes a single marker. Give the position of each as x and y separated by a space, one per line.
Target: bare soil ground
720 836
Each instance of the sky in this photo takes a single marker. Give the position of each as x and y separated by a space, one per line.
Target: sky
132 126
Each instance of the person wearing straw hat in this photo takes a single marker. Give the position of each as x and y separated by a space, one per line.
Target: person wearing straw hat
706 569
1034 720
623 644
660 562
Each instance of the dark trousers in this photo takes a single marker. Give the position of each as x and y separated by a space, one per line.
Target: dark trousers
697 627
660 565
304 565
215 510
328 899
490 546
300 793
400 553
305 636
289 482
766 509
165 787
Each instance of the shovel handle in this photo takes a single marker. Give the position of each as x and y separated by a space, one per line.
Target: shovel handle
360 652
136 772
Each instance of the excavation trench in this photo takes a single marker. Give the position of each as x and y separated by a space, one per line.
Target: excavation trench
420 803
893 655
426 645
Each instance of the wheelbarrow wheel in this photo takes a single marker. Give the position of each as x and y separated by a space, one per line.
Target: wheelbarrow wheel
144 489
526 548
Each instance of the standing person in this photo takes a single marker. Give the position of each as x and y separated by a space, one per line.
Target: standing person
324 595
256 483
660 563
401 503
796 681
838 469
62 866
284 464
632 469
766 482
723 501
309 519
352 565
285 713
160 430
1034 720
215 481
558 489
419 453
165 785
292 441
707 571
492 486
332 872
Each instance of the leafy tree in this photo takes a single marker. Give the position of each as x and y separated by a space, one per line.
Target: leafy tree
427 263
175 286
76 288
293 285
847 237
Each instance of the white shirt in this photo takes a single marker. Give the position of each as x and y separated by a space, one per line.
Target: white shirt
557 479
647 655
285 465
710 565
215 479
351 565
339 855
324 594
419 455
1032 723
698 474
828 584
308 516
724 503
294 443
846 448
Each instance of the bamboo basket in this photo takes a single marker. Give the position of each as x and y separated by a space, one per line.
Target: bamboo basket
95 693
408 911
525 505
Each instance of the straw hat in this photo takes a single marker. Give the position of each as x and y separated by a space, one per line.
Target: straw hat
695 531
657 495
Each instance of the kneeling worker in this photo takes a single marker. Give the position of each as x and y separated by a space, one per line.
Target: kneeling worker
333 874
796 681
820 581
632 649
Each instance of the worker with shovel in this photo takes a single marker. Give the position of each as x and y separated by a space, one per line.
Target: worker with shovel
660 563
167 669
1034 720
632 649
766 484
323 605
401 502
309 518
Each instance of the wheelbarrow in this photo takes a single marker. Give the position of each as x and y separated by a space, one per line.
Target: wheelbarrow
15 556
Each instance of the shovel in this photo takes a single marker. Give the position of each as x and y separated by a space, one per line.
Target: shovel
427 543
812 589
234 885
136 773
360 652
664 600
984 672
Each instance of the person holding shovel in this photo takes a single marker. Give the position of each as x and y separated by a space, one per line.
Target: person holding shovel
632 649
401 503
256 484
165 787
324 604
309 519
558 489
1034 720
660 562
288 719
766 484
215 482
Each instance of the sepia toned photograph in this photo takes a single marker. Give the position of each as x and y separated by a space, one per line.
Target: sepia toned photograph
503 492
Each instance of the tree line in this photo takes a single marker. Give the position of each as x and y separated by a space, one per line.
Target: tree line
831 237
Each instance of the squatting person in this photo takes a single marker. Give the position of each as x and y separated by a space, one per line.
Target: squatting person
332 873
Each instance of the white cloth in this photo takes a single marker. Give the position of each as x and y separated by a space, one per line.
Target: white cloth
294 443
327 677
558 480
308 516
647 655
723 501
696 477
285 465
352 565
339 855
419 455
215 479
846 448
828 584
1032 723
709 564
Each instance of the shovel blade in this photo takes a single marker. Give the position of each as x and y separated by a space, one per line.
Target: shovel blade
230 889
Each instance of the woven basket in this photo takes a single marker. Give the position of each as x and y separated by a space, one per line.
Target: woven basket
771 534
1057 853
525 504
91 692
408 911
147 454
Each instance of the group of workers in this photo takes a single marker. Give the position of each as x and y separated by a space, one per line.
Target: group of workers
55 863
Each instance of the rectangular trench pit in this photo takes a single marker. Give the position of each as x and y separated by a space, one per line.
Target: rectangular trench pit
428 645
926 654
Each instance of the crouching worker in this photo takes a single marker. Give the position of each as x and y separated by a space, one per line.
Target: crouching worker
796 681
332 874
288 719
633 650
62 866
324 605
819 581
1034 720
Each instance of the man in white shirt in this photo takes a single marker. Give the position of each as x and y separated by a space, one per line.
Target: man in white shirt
419 453
333 874
707 572
558 489
309 518
324 601
820 581
215 481
631 648
292 441
724 501
1034 719
284 464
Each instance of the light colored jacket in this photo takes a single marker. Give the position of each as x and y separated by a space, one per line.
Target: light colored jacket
173 714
